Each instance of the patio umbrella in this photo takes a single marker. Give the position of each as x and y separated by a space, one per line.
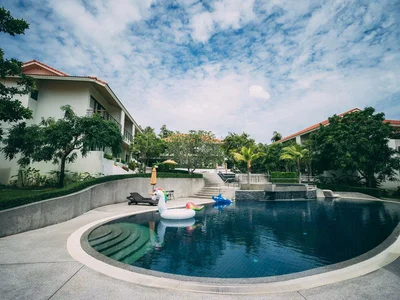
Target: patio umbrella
170 161
153 179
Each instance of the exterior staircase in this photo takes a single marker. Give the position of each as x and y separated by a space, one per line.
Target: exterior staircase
214 185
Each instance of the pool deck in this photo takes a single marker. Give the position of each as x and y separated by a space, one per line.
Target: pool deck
37 265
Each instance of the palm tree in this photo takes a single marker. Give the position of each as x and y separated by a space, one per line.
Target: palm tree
276 136
247 155
294 153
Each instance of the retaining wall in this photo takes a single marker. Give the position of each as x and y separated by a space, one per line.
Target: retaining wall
52 211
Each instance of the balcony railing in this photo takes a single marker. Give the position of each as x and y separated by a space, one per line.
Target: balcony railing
105 115
128 136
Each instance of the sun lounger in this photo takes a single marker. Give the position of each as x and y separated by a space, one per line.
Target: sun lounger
136 198
330 194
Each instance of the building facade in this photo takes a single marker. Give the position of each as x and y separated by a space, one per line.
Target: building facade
86 95
301 136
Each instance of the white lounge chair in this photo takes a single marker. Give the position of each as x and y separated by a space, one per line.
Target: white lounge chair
330 194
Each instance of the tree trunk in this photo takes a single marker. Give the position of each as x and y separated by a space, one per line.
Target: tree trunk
62 172
298 168
248 177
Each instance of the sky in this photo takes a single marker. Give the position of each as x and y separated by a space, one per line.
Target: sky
226 65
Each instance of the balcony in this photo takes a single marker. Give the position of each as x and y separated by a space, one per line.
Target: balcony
128 137
105 115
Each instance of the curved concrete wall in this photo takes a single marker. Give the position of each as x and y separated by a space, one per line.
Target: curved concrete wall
57 210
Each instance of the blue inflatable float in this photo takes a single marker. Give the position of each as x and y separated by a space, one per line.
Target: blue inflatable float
221 200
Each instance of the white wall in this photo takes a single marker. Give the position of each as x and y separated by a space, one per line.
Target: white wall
53 94
10 168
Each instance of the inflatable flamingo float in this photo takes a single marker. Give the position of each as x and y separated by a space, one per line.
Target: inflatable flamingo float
174 214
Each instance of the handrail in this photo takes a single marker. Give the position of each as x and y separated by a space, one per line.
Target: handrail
106 115
128 136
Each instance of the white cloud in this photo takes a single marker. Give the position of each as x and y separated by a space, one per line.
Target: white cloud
224 14
315 60
202 25
257 91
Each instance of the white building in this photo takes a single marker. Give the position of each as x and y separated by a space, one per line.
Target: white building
86 95
301 136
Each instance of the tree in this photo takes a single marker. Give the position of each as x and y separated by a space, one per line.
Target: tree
247 154
60 141
164 132
271 158
357 142
233 143
147 145
294 153
12 110
195 149
276 136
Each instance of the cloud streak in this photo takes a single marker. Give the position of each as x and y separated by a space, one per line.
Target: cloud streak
225 66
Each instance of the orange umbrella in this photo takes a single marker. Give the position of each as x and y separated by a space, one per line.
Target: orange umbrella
153 179
170 161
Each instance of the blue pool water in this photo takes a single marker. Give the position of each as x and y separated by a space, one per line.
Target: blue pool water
250 238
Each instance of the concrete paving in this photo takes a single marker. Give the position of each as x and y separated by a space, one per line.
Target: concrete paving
37 265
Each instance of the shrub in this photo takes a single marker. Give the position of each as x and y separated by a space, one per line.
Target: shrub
125 168
10 201
132 165
284 177
108 156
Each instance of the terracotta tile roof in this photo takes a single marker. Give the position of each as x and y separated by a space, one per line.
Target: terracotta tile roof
25 64
40 64
393 122
315 126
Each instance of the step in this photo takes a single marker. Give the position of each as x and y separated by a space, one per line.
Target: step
140 247
117 249
115 233
107 245
99 233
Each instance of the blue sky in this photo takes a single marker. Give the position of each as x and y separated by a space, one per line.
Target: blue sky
225 66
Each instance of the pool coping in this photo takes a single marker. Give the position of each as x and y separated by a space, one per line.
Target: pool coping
383 254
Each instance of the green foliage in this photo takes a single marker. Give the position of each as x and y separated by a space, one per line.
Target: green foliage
195 149
295 153
276 136
164 132
108 156
233 143
345 179
30 177
284 177
247 155
12 110
356 142
60 141
271 158
164 167
12 199
132 165
147 145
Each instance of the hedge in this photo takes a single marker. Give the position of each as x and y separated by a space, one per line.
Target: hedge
11 202
284 177
375 192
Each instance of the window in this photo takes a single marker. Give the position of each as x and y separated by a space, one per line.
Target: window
96 105
35 94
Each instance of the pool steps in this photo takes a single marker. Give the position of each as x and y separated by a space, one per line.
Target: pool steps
125 242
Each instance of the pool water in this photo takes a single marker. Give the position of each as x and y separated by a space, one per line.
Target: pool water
249 238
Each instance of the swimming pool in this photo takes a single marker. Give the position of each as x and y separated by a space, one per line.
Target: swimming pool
249 239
